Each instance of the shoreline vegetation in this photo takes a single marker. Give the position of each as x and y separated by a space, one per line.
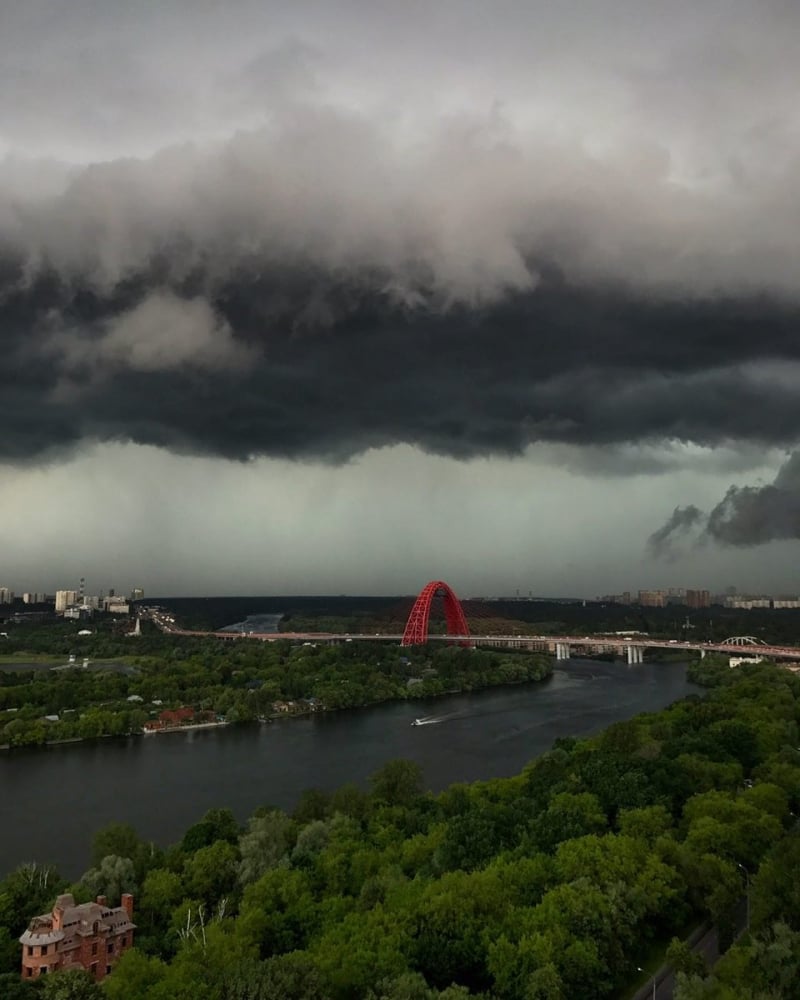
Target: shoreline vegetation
555 884
169 683
294 713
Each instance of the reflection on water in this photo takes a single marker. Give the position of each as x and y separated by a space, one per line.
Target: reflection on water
255 623
165 783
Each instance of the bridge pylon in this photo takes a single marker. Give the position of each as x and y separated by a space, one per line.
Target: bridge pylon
416 630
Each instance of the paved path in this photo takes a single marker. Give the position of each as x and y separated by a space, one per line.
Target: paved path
704 941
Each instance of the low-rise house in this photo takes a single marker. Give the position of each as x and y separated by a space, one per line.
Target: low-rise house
175 718
88 936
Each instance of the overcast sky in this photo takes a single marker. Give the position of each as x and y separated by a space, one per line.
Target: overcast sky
341 297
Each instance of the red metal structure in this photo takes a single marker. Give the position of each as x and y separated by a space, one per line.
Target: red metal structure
416 632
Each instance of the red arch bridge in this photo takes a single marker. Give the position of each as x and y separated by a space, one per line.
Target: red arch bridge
562 646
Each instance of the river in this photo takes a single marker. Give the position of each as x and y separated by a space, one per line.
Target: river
55 798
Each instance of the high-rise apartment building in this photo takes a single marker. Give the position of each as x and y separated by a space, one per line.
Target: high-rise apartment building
6 596
698 599
64 598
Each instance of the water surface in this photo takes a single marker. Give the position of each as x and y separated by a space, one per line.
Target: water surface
55 798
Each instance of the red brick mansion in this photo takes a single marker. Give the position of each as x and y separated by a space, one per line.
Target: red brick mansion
90 936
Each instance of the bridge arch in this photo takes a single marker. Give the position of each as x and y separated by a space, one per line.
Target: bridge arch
743 640
416 631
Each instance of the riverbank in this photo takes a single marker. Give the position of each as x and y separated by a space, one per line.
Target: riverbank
184 729
457 673
474 737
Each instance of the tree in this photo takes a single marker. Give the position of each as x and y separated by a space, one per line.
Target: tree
217 824
313 804
111 878
311 841
697 988
350 800
263 845
72 984
760 968
568 815
27 891
134 976
544 984
397 783
775 894
647 823
722 824
451 926
409 986
211 872
9 951
470 839
359 951
684 959
119 839
287 977
14 988
278 912
161 892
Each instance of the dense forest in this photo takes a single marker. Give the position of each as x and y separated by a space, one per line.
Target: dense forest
557 884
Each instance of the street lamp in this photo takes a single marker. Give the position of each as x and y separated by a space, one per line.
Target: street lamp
746 892
640 969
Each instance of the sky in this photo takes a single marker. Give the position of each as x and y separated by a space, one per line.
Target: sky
343 297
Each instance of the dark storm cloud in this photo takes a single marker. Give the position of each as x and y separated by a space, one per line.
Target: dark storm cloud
334 266
680 522
302 363
753 515
746 515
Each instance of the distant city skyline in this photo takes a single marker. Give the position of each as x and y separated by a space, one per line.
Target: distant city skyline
691 597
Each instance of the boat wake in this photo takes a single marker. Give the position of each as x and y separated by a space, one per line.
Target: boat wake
427 720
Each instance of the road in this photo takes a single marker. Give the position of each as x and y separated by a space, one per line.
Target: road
704 941
543 643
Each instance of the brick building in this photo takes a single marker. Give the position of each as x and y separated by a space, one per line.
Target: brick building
175 718
698 599
90 936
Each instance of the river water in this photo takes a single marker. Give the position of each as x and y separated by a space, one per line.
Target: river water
55 798
255 623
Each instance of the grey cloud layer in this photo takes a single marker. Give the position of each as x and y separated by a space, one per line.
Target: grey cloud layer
120 78
746 515
589 259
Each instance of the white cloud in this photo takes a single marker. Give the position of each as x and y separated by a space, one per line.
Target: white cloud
163 332
631 144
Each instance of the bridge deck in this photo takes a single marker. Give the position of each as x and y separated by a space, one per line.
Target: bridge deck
595 643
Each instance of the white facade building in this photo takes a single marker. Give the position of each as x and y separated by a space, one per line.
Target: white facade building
64 598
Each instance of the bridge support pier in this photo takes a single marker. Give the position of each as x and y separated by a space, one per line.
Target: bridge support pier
562 651
635 654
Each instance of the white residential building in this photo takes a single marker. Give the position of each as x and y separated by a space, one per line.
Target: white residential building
64 598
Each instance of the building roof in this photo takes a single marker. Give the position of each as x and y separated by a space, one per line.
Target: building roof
83 920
